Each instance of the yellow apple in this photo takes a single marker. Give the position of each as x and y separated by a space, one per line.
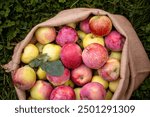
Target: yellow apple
77 93
99 79
113 85
41 74
69 83
73 25
53 51
116 55
109 95
81 34
90 38
30 52
45 35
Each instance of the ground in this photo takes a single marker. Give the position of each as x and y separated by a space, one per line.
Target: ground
17 17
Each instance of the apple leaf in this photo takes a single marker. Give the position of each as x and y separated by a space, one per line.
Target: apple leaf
35 63
54 68
39 60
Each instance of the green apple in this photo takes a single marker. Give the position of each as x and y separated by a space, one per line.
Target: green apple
53 51
90 38
77 93
69 83
99 79
30 52
41 74
72 25
116 55
113 85
109 95
81 34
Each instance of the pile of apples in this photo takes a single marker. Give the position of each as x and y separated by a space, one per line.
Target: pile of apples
90 52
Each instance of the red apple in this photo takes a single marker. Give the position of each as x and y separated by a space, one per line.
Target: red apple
111 70
95 56
114 41
45 35
59 80
63 93
24 78
84 26
100 25
71 55
41 90
81 75
93 91
66 35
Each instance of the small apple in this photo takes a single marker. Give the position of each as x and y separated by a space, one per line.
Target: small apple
81 34
90 38
24 78
63 93
113 85
71 55
93 91
66 35
39 46
116 55
59 80
45 35
69 83
111 70
114 41
53 51
109 95
30 52
81 75
94 55
100 80
41 74
77 93
84 25
100 25
41 90
72 25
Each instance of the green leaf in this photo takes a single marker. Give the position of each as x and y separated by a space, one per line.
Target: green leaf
43 57
62 1
54 68
35 63
39 60
1 47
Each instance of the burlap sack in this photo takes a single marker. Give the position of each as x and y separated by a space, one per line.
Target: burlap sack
135 65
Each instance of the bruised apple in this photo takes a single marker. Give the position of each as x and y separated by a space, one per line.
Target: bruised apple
81 75
63 93
111 70
93 91
59 80
71 55
100 25
95 56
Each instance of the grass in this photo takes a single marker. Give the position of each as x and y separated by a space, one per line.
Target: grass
17 17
